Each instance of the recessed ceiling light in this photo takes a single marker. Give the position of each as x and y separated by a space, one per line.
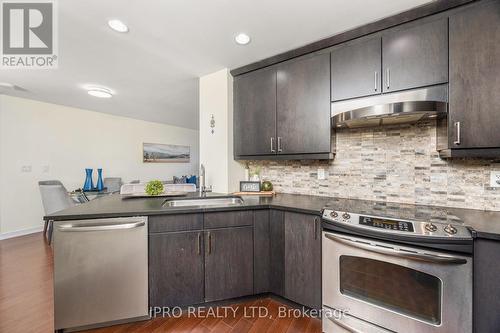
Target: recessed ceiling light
100 92
242 39
118 25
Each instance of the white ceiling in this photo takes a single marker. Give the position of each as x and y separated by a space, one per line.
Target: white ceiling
154 68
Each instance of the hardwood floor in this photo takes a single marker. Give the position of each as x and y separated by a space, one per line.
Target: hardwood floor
26 290
26 301
239 321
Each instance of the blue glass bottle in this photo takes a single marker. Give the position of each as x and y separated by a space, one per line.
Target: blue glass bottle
89 185
100 184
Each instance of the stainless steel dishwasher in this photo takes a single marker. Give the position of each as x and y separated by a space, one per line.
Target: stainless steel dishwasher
100 272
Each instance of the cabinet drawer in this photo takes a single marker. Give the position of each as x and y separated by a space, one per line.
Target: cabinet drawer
228 219
181 222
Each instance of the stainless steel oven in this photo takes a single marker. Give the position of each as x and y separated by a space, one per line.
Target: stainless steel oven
398 284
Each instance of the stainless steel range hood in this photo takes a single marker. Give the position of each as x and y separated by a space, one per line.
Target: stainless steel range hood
407 106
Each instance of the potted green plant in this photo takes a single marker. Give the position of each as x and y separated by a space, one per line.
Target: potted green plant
255 174
154 187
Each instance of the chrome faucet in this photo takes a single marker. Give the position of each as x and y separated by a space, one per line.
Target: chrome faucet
203 189
202 179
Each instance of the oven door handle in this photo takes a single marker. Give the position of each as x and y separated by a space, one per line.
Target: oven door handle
439 259
344 325
351 329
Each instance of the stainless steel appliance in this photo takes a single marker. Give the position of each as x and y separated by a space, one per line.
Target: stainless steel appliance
100 272
394 275
407 106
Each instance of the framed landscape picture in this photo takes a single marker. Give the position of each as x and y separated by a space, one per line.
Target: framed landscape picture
164 153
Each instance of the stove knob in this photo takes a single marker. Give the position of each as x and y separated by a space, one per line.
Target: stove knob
346 216
334 214
450 229
430 227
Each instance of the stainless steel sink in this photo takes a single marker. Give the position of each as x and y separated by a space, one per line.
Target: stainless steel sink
229 201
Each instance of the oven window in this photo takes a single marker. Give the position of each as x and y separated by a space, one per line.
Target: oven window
394 287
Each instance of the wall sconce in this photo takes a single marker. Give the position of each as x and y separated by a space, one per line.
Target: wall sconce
212 124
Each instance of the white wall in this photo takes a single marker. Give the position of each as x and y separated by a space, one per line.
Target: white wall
68 140
216 150
236 169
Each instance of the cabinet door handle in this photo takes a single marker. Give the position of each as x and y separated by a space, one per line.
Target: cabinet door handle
376 80
457 129
209 243
272 145
199 244
280 148
388 77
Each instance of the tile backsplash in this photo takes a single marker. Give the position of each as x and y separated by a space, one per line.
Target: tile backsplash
391 163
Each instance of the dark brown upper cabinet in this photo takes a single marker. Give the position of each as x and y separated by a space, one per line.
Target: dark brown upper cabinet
356 69
255 113
283 112
474 108
303 106
415 55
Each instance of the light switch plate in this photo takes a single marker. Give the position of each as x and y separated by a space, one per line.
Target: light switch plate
321 174
495 179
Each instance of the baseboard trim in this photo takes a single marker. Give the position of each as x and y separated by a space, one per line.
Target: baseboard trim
22 232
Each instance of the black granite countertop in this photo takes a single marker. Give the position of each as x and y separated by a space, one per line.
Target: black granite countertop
116 206
485 224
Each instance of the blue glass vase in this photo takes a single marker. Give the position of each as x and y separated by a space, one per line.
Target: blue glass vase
100 184
89 185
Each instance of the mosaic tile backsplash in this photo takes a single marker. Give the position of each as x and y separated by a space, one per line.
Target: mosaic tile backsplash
392 163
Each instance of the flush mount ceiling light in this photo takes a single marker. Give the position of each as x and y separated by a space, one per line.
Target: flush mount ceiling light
99 92
7 85
117 25
10 86
242 39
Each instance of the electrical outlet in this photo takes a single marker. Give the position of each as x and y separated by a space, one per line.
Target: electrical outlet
46 168
495 179
321 174
26 168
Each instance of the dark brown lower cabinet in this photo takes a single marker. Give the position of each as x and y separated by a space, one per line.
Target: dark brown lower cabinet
486 286
246 253
228 263
176 270
262 251
303 259
277 249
